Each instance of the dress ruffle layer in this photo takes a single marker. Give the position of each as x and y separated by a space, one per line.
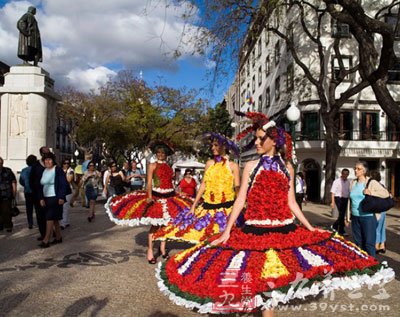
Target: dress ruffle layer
195 227
197 277
133 209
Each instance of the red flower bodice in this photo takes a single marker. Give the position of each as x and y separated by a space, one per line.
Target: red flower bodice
267 200
162 176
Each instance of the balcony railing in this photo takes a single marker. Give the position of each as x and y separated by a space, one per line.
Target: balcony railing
350 135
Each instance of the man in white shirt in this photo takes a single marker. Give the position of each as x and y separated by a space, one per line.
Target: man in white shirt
340 192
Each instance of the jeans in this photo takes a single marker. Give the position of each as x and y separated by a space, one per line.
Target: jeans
381 229
364 233
341 204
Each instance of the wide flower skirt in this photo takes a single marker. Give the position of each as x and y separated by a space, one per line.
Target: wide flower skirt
252 272
133 209
207 220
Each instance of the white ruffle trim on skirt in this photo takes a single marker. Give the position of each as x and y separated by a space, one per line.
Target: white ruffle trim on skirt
384 275
144 221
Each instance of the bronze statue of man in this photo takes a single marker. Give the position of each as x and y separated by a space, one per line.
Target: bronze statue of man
29 44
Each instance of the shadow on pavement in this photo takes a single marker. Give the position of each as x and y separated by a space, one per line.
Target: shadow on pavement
83 304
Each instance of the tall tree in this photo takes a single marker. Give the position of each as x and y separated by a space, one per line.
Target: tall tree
232 24
125 115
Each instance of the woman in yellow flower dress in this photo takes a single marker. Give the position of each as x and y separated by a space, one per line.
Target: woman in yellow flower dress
217 189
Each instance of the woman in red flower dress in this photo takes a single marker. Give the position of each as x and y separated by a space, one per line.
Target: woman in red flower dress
270 260
156 206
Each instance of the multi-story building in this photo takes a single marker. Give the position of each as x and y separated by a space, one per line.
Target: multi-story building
268 74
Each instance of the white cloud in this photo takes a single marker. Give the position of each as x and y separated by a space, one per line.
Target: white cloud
76 34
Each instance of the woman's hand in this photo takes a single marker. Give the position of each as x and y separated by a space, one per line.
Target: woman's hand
61 201
222 239
42 203
149 199
318 230
192 209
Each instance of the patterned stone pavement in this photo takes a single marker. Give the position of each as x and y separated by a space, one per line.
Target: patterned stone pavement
100 270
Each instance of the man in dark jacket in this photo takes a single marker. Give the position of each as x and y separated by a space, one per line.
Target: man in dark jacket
8 190
36 187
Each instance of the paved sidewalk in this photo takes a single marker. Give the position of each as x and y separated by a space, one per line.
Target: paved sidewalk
101 270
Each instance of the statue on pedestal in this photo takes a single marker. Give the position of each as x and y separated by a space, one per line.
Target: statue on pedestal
29 44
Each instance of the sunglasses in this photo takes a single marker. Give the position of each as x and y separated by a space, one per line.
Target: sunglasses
66 163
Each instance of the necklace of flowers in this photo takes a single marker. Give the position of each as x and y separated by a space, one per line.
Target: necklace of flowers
269 163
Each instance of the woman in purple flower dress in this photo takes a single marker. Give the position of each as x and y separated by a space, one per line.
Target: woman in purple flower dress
218 190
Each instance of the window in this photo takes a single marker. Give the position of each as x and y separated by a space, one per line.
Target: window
340 29
290 34
289 78
277 88
267 99
267 66
259 76
370 126
347 63
248 68
242 76
310 125
253 84
394 71
248 90
345 125
259 50
277 52
259 103
392 133
253 59
391 19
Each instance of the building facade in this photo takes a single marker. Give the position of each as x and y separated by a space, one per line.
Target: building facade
268 79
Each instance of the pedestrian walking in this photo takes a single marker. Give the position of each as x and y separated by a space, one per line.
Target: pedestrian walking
91 182
70 176
36 187
8 191
24 182
340 192
300 189
54 189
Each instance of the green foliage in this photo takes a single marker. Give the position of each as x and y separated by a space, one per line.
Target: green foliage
126 115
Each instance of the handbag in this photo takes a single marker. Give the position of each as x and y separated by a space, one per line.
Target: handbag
14 209
373 204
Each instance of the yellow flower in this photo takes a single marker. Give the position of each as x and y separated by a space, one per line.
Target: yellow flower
273 267
219 183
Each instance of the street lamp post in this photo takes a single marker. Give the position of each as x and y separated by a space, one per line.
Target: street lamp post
293 114
76 154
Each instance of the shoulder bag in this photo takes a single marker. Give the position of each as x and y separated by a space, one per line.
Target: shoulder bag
373 204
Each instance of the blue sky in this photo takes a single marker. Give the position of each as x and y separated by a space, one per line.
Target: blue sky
86 42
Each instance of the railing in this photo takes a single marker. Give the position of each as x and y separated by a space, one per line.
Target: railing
350 135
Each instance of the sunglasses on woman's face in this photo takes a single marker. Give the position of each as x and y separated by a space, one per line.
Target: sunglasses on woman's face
66 163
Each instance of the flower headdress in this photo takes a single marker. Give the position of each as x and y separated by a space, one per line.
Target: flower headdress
222 140
166 146
258 120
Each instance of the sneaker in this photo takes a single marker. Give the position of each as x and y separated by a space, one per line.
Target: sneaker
9 229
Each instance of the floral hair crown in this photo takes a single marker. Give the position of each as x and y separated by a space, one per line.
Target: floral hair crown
259 120
222 140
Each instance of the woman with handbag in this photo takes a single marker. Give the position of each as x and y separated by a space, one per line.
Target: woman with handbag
363 224
373 187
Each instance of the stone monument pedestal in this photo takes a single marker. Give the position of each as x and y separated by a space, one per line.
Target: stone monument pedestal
28 114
